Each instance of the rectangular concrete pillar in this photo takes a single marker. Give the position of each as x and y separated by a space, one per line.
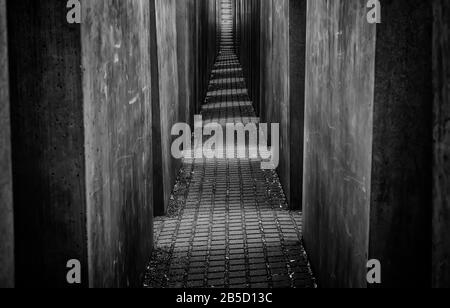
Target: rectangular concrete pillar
186 58
197 26
198 48
81 133
249 46
441 146
117 90
185 52
6 200
207 48
368 145
166 40
272 52
340 61
48 142
265 45
211 36
158 190
277 105
297 71
400 224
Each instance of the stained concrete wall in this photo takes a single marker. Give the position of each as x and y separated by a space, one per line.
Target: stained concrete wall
185 52
212 7
201 60
47 141
6 201
248 47
194 65
340 61
158 189
186 36
367 179
169 104
441 138
81 132
277 92
271 44
297 70
207 48
102 96
118 121
400 226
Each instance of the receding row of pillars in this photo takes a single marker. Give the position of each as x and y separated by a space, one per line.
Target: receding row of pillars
89 107
364 150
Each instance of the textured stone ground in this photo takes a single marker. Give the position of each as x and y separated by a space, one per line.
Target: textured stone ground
228 225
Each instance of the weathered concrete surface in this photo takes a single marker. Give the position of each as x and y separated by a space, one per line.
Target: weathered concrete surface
400 225
271 46
47 141
441 138
249 46
248 30
201 79
186 58
206 49
6 201
340 58
266 57
117 116
83 148
158 188
297 56
186 49
278 108
212 26
168 96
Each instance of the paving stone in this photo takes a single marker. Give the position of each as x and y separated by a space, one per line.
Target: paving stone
219 269
258 266
196 277
237 274
258 279
216 283
237 262
216 275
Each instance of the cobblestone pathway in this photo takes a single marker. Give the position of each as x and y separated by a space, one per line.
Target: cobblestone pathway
228 225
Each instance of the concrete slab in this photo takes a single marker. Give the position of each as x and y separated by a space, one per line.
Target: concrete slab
6 199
